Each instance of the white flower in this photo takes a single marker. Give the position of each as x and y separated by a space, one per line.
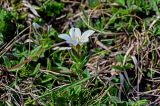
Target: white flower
75 37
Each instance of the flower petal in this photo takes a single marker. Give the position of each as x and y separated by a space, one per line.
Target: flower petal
83 40
85 35
75 33
88 33
73 42
71 32
65 37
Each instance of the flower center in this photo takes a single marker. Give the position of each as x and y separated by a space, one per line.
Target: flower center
76 38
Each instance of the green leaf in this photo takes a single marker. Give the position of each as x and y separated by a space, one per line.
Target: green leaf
122 2
93 3
74 55
36 70
48 78
49 66
120 58
66 87
7 62
86 73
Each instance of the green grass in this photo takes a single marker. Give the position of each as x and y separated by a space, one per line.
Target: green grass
119 66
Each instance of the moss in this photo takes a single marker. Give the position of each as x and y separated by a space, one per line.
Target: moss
7 27
52 8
